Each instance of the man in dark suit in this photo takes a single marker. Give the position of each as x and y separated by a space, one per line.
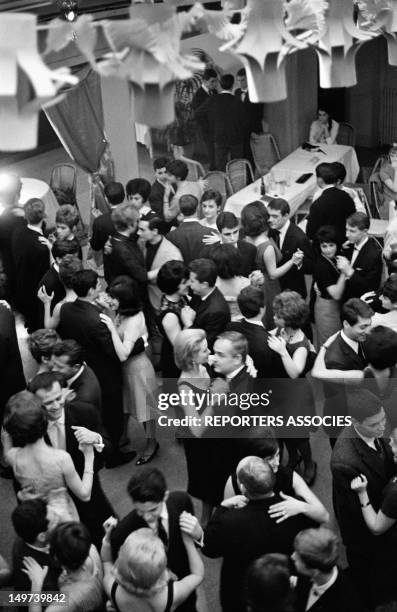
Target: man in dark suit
68 360
33 524
188 237
290 239
80 321
156 197
212 312
157 509
227 122
12 378
51 281
343 352
361 449
126 257
332 207
251 301
11 216
29 246
254 111
229 229
103 227
207 89
363 263
241 532
321 585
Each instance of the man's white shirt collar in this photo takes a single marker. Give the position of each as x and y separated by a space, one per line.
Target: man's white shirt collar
352 343
208 294
256 322
36 229
368 441
70 381
320 190
283 232
234 373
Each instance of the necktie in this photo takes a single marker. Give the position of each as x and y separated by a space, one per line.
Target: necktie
243 96
277 238
161 532
378 446
56 434
361 353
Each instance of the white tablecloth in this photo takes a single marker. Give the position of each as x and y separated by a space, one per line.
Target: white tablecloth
289 169
34 188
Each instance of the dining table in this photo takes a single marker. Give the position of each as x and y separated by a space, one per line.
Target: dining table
300 165
35 188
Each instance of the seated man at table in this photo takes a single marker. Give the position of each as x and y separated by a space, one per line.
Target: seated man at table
290 238
332 206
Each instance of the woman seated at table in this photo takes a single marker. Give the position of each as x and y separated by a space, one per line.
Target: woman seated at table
229 282
324 130
388 180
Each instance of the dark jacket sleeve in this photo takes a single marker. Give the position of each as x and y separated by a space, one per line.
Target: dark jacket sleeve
308 259
215 536
313 222
131 264
367 278
214 324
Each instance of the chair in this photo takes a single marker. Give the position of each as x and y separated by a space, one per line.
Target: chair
364 193
219 181
265 152
196 170
240 173
63 182
346 135
375 186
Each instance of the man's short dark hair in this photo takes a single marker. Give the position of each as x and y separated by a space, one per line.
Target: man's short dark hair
209 73
339 171
41 342
318 548
355 308
147 485
226 220
250 300
241 72
29 519
25 419
188 205
362 404
178 168
83 281
359 220
257 477
140 186
227 81
280 205
161 162
34 211
45 380
326 172
70 349
268 580
205 270
170 276
380 347
70 544
60 248
114 192
155 222
68 267
212 194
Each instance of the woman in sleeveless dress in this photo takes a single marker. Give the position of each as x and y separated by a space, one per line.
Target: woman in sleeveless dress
139 378
298 498
139 580
254 221
81 578
297 356
173 281
208 459
41 470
